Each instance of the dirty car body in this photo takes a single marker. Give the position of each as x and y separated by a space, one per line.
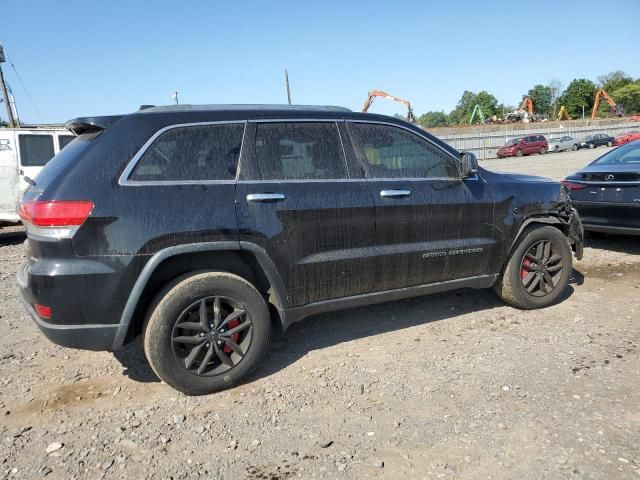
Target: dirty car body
309 235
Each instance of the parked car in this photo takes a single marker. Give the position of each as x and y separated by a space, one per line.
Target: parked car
198 226
517 147
23 153
607 191
560 144
597 140
626 138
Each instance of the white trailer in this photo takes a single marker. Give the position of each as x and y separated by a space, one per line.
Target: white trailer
23 153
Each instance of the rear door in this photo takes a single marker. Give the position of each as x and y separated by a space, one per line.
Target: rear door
297 199
9 177
431 225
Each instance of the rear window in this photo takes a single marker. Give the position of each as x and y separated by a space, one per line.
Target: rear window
64 157
626 154
193 153
35 150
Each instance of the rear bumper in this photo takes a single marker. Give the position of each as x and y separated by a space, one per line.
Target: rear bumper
85 337
84 296
623 218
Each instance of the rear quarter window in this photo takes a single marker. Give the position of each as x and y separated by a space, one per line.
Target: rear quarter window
191 153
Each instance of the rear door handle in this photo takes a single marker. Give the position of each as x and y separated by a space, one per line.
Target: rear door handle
394 193
265 197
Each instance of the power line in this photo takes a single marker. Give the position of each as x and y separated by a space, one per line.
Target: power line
35 107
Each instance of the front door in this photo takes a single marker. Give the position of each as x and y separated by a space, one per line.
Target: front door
431 225
296 200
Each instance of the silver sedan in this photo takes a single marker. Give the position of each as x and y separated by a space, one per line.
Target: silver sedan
559 144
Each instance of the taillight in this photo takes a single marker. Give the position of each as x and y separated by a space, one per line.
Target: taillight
573 185
52 220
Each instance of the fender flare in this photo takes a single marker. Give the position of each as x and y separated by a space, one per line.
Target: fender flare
157 258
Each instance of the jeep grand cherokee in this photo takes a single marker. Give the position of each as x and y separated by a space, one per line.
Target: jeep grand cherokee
198 226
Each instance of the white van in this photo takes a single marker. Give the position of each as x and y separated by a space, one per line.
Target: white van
23 153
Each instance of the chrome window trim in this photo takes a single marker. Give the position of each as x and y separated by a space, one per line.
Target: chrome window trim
124 181
290 120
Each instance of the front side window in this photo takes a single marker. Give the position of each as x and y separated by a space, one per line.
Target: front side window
192 153
392 152
299 151
35 150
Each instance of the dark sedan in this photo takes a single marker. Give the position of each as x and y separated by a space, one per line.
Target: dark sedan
597 140
607 192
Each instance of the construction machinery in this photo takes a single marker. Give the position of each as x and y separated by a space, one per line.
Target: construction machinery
477 111
563 114
527 105
379 93
616 109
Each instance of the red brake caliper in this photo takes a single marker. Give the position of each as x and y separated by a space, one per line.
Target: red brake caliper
235 337
523 271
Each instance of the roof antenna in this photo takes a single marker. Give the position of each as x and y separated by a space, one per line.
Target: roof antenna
175 97
286 80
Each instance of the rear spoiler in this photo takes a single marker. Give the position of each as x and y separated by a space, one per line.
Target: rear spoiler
82 125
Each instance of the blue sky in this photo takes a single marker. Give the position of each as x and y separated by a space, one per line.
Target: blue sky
87 58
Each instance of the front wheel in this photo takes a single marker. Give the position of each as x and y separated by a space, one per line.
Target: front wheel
206 331
592 145
609 144
575 147
538 271
518 153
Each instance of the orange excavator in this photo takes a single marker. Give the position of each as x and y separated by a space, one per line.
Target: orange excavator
527 105
615 108
378 93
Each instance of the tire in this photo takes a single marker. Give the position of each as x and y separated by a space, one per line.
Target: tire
543 151
518 153
511 284
575 147
592 145
220 359
609 144
556 149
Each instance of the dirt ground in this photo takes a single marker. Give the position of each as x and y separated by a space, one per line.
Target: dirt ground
455 385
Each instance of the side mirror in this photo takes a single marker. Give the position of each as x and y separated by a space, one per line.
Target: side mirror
468 164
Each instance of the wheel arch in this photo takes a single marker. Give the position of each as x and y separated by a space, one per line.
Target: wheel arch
244 259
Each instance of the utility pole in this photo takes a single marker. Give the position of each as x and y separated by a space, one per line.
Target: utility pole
286 80
5 95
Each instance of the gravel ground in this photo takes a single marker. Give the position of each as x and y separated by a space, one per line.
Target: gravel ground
456 385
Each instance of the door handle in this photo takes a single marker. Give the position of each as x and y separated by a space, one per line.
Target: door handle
394 193
265 197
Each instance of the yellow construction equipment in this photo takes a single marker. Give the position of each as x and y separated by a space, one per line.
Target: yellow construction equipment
563 114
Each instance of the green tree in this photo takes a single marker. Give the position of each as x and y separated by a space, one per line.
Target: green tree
629 97
579 94
434 119
612 81
462 113
542 97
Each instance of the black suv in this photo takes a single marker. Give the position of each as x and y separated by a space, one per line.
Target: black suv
198 226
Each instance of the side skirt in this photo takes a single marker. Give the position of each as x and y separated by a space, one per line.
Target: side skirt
293 315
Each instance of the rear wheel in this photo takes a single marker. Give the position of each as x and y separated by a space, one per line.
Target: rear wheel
538 270
575 147
609 144
518 153
592 145
206 331
556 149
543 150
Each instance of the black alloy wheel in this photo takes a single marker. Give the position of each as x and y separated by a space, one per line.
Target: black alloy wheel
541 268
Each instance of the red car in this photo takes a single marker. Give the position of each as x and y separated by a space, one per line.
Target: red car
626 138
524 146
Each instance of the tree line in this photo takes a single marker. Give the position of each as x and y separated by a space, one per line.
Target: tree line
577 98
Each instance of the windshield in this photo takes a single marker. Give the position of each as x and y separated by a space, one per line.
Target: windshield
626 154
511 142
556 140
